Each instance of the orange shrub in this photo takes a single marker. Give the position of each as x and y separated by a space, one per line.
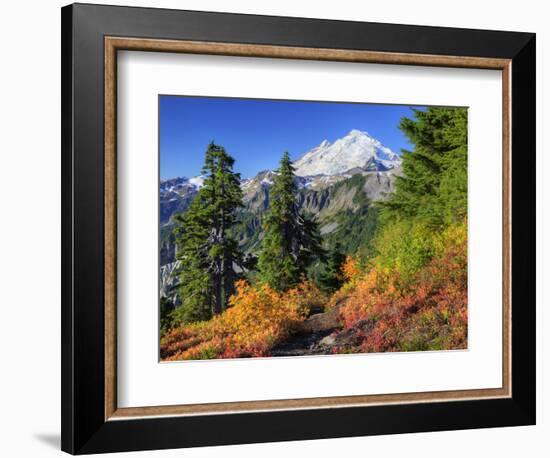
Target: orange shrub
351 272
350 268
258 319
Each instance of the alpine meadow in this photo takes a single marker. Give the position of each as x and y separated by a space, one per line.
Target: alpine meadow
270 246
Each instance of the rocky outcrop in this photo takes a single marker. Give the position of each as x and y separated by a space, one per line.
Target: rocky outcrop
348 338
168 281
378 186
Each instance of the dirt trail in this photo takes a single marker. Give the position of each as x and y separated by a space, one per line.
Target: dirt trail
308 339
303 344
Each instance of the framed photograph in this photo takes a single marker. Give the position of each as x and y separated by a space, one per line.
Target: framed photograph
282 228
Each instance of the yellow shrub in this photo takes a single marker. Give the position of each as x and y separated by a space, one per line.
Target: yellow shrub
258 319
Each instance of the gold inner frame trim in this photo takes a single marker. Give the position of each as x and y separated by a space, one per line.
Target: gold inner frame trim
114 44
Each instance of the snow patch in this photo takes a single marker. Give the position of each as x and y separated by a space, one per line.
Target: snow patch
267 182
198 181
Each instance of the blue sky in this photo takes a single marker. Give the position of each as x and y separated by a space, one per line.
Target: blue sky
256 132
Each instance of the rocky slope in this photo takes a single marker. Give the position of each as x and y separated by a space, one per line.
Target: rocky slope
329 198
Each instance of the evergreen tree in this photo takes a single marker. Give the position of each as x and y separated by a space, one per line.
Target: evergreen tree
291 238
209 255
195 286
331 278
433 187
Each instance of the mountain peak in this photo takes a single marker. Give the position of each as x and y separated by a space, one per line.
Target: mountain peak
357 133
358 149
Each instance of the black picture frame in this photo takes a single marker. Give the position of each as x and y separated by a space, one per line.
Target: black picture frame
84 428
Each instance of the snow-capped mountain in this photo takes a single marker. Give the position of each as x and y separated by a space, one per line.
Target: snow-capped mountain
357 150
316 171
180 185
176 194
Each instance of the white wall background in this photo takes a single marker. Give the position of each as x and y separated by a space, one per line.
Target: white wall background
30 227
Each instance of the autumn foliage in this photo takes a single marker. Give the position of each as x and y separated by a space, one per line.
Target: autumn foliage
350 269
258 318
426 311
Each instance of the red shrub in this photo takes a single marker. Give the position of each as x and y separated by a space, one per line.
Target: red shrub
426 312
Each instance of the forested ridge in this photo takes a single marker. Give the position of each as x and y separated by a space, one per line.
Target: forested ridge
397 282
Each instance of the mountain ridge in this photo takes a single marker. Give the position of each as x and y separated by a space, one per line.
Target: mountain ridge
356 150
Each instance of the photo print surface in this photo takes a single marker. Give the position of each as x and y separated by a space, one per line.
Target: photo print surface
298 228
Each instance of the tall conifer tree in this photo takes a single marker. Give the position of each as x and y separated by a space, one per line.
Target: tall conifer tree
291 238
209 255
